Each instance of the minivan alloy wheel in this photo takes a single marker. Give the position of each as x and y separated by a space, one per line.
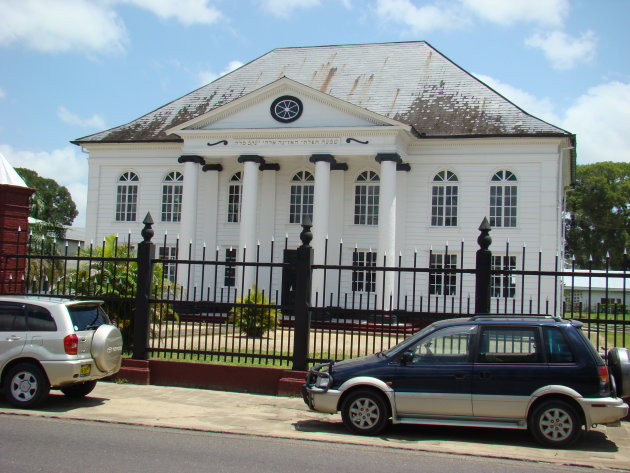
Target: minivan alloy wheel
26 385
555 424
364 412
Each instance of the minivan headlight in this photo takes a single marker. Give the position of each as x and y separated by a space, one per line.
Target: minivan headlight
323 381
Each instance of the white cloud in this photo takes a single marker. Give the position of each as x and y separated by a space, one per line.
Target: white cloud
205 77
420 19
508 12
284 8
563 51
66 25
95 122
3 94
187 12
540 108
67 166
600 119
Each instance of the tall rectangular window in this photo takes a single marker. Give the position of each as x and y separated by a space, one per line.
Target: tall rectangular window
503 200
366 199
172 191
229 275
234 198
127 197
442 283
444 200
503 285
168 253
363 280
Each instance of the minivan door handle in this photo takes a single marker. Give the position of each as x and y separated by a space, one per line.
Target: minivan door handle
484 374
460 375
13 338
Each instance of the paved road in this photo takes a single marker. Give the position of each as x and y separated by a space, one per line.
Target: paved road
288 418
35 444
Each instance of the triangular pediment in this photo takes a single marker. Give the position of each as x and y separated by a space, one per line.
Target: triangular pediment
259 110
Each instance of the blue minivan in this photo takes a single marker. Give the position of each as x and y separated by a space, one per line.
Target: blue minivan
526 372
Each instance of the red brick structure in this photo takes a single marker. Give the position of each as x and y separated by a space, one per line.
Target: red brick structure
14 210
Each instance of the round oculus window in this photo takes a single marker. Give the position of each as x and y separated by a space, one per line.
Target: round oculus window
286 109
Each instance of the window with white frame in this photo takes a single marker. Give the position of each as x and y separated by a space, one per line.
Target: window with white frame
229 275
363 280
503 191
503 285
127 197
444 200
169 269
234 198
366 194
442 283
172 190
302 192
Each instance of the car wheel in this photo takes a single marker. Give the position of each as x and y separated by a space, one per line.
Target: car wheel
364 412
26 385
555 424
79 390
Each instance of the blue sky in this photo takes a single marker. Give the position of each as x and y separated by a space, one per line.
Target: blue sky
74 67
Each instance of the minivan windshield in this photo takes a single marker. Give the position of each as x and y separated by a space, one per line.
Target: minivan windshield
87 317
420 333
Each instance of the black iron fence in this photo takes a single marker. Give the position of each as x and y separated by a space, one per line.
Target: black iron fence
281 309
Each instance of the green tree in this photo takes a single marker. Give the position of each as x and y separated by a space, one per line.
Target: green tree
110 272
51 203
598 220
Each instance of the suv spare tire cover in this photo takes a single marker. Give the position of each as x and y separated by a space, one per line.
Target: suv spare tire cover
619 365
107 348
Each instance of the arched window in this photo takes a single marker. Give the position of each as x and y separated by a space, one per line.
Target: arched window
127 197
503 190
234 198
172 190
366 191
444 200
301 204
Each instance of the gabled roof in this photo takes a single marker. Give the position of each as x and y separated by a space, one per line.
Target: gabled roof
410 82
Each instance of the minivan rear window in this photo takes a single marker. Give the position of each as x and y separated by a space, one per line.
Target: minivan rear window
87 317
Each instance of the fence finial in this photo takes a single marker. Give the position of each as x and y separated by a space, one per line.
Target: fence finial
306 235
147 231
484 239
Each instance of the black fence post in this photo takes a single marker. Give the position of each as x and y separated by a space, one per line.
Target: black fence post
146 253
483 276
302 310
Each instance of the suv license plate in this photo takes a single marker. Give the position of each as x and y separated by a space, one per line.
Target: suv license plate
85 370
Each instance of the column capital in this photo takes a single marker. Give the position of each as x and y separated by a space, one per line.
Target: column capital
250 158
212 167
191 158
395 157
328 158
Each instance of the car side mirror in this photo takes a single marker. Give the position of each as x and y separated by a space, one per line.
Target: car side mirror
406 358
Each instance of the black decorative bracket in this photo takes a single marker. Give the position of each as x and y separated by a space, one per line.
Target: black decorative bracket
191 158
348 140
212 167
218 143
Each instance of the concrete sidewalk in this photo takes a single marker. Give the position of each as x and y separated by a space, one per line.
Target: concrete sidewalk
270 416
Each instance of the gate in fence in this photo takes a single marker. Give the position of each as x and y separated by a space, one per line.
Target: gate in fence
283 310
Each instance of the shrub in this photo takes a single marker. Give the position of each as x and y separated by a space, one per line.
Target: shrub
256 315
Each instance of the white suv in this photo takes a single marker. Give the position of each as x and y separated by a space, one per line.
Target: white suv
54 343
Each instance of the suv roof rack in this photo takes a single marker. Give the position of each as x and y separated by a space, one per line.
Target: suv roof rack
555 318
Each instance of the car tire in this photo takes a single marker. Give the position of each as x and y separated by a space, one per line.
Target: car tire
365 412
26 385
106 349
79 390
555 424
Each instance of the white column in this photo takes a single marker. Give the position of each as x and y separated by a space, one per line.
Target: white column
247 238
188 222
321 212
387 229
